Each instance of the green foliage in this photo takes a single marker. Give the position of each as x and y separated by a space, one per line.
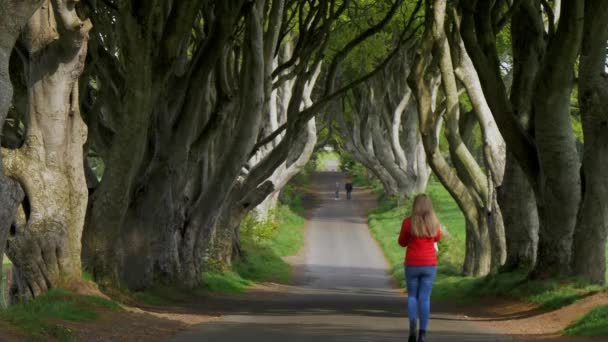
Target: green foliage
254 229
263 256
594 323
359 16
39 316
322 157
292 194
289 238
97 165
347 163
264 245
265 242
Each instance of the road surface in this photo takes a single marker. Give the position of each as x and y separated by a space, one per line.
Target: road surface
341 290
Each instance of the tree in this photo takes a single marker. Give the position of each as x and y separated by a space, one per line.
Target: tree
382 131
13 17
279 155
589 247
442 60
175 104
174 108
45 241
536 120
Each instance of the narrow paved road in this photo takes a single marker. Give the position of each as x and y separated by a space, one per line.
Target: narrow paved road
341 291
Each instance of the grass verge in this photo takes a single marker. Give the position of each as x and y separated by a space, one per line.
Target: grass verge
263 256
39 317
594 323
385 223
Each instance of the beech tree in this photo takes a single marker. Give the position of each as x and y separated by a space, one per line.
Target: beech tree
260 182
176 102
175 106
14 16
382 131
535 120
280 155
45 240
589 248
440 62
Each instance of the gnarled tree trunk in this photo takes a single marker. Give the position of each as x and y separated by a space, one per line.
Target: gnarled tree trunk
471 187
548 157
14 15
45 245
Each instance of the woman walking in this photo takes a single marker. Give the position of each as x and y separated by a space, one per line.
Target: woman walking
420 233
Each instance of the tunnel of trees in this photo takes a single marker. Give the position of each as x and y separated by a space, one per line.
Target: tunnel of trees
137 135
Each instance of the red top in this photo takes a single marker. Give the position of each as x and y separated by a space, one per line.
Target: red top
420 250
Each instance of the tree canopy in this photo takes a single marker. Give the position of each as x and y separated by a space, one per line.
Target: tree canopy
137 135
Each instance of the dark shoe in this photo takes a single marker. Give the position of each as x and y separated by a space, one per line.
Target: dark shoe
422 336
412 338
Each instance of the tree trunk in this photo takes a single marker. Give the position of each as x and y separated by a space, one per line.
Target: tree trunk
265 178
560 182
411 141
354 146
518 206
385 136
158 154
45 245
478 250
14 16
541 139
589 248
384 153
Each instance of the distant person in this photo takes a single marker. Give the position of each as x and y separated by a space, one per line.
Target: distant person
348 186
337 190
420 233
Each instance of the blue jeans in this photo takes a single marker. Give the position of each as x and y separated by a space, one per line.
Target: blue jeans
419 280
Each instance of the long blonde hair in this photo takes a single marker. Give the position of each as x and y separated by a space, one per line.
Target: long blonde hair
424 222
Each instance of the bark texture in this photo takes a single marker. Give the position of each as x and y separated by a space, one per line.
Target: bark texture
261 184
589 248
176 114
441 62
13 17
45 243
520 218
151 217
541 138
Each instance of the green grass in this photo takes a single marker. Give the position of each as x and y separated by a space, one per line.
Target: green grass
225 282
594 323
38 317
385 223
289 237
547 294
159 295
263 257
